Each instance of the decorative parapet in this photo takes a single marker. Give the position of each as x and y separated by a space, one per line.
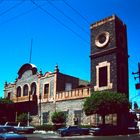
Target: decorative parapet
21 99
103 21
73 94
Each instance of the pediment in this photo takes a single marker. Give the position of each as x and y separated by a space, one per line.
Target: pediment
27 67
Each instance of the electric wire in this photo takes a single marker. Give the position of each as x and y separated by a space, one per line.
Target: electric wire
11 8
19 15
59 21
134 97
59 10
77 12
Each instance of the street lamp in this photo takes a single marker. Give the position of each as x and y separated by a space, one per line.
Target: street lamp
28 122
16 106
40 107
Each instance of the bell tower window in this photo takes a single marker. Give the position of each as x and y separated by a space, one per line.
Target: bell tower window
103 76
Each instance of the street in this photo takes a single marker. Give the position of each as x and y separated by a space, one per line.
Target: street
84 137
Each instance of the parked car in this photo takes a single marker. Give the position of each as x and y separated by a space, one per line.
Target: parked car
7 129
21 127
109 129
133 130
8 133
72 130
106 129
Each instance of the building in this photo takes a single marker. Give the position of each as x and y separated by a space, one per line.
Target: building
42 94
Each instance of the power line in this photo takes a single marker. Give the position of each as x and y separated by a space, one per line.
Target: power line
59 10
77 12
135 97
59 21
19 15
11 8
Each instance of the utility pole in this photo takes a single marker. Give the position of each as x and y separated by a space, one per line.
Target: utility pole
28 122
40 106
137 75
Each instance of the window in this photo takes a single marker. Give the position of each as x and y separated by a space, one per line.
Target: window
46 88
77 117
9 95
68 86
25 90
19 92
102 76
66 115
45 117
103 79
33 88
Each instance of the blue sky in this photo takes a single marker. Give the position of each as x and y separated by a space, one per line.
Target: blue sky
59 39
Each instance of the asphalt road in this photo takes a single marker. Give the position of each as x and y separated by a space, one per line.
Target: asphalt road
84 137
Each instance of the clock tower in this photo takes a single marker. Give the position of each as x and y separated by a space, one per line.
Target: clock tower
109 55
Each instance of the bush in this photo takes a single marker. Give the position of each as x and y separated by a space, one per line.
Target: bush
23 118
45 127
58 117
48 127
85 126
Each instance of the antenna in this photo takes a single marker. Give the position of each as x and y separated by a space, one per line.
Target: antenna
31 51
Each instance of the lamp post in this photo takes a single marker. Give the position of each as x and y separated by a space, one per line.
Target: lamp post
40 107
16 106
28 122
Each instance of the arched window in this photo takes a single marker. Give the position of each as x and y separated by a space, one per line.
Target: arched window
18 91
25 90
9 95
33 88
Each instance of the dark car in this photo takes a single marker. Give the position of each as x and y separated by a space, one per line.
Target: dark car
109 129
106 129
133 130
21 127
72 130
8 133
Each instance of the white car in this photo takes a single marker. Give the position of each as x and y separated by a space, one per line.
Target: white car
21 127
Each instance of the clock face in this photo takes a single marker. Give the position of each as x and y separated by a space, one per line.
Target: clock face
102 39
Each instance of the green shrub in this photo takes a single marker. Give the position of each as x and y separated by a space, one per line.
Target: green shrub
48 127
45 127
23 118
58 117
85 126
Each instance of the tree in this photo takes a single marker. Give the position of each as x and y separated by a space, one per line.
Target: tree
6 110
5 101
105 103
58 117
23 118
